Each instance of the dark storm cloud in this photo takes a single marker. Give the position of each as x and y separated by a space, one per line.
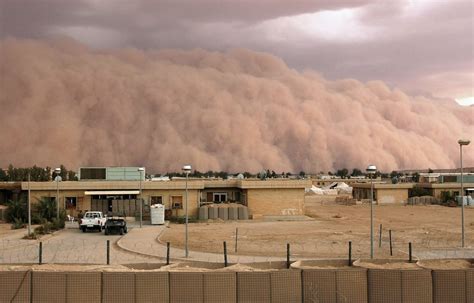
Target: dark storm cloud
418 45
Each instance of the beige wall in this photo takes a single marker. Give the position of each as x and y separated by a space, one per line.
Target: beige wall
275 202
382 195
193 199
83 202
391 196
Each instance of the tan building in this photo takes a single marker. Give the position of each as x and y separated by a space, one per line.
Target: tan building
453 188
384 193
268 197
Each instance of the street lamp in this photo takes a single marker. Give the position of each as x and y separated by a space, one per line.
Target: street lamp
461 143
141 170
371 170
57 171
187 170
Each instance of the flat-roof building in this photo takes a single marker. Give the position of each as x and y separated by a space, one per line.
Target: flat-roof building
268 197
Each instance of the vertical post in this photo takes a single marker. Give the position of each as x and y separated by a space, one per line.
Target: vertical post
390 239
186 215
462 200
57 197
167 253
380 236
371 218
108 252
29 203
225 254
236 237
40 255
141 200
350 253
409 253
287 255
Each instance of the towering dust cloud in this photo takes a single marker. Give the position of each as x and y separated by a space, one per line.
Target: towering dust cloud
239 110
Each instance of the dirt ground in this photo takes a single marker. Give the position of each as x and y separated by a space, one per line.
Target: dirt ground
331 227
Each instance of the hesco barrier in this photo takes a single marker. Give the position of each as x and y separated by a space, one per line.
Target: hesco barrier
306 281
397 281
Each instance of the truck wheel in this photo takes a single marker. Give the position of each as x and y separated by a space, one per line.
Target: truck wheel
125 230
121 231
106 231
83 229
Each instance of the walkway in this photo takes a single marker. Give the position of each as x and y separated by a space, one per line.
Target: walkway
143 241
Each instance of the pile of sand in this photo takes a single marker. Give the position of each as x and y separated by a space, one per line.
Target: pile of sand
386 264
446 264
321 264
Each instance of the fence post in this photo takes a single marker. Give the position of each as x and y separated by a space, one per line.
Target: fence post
409 253
390 239
108 252
287 255
225 254
40 255
167 253
350 253
380 236
236 237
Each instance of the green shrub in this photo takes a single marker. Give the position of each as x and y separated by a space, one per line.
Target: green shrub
57 224
37 219
17 224
39 230
16 210
46 209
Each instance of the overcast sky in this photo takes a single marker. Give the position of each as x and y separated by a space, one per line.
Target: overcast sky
421 46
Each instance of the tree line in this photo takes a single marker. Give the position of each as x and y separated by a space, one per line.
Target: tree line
36 174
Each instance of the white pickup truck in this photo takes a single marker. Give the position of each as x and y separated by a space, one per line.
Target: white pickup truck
92 220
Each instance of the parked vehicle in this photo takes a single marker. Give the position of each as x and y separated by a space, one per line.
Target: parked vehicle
92 220
115 225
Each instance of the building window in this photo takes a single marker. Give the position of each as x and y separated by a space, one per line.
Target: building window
156 200
71 202
177 202
219 197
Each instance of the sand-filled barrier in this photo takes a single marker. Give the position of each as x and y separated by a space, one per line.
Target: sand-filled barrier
332 281
193 281
395 280
453 280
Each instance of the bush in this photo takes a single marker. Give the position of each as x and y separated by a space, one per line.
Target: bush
17 210
39 230
17 224
46 209
57 224
37 219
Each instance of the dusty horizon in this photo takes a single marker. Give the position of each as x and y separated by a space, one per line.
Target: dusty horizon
238 110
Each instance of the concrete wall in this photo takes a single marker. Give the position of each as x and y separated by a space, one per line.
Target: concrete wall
391 196
84 202
382 195
193 199
275 202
